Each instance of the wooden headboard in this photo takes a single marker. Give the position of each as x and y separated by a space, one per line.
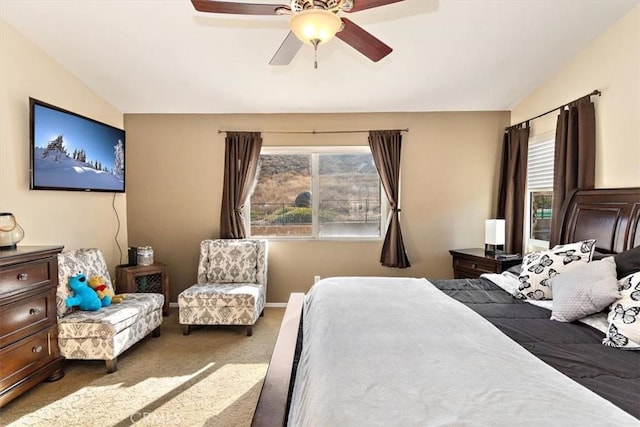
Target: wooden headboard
611 216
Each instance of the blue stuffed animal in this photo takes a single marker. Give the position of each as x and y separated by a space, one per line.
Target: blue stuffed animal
85 297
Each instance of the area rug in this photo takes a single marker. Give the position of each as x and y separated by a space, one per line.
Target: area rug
211 377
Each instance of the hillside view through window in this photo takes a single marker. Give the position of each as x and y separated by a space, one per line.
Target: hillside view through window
317 195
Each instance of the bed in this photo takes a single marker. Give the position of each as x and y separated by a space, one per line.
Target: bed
409 351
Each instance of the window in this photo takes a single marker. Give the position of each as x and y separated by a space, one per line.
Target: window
318 193
540 189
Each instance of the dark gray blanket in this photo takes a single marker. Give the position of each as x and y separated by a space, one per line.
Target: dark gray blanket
574 349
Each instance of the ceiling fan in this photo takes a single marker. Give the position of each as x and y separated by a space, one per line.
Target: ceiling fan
313 22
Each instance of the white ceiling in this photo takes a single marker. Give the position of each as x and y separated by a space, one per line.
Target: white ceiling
162 56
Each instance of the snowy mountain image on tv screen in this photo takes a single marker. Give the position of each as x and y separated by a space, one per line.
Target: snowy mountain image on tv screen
87 156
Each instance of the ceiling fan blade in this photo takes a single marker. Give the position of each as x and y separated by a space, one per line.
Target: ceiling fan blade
237 8
287 50
363 41
359 5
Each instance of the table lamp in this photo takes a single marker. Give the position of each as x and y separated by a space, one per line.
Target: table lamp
494 236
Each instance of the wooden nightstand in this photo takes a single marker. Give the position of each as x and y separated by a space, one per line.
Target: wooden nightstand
471 263
144 278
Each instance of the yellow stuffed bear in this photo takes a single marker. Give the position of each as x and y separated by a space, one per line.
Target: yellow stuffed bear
97 283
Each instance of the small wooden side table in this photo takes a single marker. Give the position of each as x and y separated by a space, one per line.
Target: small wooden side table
471 263
144 278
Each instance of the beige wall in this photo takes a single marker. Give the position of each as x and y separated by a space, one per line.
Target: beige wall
449 172
610 64
174 166
72 219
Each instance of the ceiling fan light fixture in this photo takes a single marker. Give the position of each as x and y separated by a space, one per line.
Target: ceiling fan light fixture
315 25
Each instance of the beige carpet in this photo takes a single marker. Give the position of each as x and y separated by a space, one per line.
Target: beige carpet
210 378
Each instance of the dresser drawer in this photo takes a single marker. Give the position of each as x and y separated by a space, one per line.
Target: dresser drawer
27 356
24 277
26 316
475 266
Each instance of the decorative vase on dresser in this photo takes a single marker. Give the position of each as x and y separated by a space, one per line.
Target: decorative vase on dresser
29 351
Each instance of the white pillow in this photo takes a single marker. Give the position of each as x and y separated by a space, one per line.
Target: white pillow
624 315
539 267
585 290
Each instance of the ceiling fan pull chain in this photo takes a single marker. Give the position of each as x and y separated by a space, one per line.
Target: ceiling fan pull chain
315 49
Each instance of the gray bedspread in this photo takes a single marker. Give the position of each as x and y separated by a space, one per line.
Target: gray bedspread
399 352
574 348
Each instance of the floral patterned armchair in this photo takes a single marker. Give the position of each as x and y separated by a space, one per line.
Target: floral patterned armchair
106 333
232 285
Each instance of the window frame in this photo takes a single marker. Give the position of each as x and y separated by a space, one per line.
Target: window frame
530 243
315 151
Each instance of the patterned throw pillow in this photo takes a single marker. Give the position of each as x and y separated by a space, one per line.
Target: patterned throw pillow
624 316
228 261
539 267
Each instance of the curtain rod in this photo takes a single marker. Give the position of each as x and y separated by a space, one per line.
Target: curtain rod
313 132
594 93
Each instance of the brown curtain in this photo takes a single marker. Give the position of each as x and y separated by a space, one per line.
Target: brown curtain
385 148
575 156
242 152
513 181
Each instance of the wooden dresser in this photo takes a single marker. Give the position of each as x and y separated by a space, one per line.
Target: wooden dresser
29 350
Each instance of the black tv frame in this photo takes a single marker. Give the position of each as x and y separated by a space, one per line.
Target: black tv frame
100 127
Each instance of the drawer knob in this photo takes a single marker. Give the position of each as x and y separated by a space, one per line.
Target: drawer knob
474 265
37 349
34 311
23 276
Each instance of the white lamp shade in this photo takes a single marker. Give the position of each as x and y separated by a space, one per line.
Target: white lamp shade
494 232
315 24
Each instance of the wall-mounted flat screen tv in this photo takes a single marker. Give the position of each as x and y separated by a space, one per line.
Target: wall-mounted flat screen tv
73 152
